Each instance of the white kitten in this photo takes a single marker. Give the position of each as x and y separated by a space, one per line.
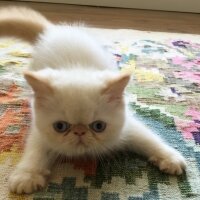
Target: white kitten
78 107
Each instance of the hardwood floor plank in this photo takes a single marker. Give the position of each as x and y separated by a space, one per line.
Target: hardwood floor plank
118 18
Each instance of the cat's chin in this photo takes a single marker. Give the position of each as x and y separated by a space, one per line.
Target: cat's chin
80 143
79 149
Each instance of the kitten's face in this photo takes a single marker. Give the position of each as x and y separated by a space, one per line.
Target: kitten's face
78 117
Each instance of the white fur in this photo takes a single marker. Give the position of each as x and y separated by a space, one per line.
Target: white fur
78 69
65 46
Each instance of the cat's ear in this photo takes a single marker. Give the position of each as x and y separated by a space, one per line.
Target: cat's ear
40 85
115 87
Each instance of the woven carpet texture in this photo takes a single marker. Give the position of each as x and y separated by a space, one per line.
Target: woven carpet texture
164 92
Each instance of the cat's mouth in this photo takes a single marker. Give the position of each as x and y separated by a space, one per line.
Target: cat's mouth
81 143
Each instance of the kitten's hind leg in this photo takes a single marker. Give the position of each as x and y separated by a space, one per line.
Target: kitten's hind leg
32 171
145 142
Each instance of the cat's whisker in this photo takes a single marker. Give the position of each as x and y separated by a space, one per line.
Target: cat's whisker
100 157
58 159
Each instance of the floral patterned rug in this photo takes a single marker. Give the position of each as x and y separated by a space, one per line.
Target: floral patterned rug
164 92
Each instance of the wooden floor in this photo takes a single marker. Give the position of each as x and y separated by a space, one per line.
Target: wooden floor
118 18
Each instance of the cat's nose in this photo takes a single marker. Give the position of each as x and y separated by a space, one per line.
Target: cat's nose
79 130
79 133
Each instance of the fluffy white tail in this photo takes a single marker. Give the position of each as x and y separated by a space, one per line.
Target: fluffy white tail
22 22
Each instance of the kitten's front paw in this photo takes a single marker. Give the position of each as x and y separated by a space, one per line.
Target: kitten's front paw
171 162
22 181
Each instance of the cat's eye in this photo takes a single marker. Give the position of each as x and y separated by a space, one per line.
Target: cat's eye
98 126
61 126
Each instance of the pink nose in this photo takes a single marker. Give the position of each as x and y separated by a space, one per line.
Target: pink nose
79 129
79 133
